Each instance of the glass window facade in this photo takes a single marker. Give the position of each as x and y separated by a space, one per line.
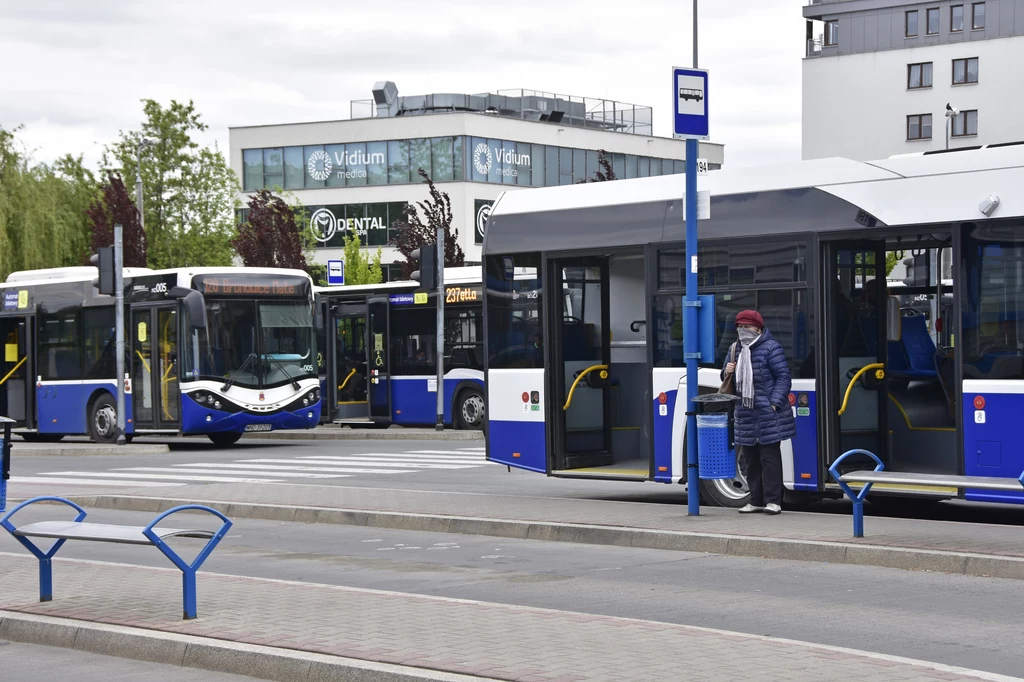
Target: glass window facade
445 159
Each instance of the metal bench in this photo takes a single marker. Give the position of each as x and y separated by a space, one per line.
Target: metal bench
61 531
910 480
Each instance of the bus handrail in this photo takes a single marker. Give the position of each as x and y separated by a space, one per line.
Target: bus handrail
849 387
16 367
142 357
588 370
345 382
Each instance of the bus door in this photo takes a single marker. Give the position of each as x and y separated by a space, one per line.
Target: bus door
348 376
856 306
379 359
156 394
17 388
580 347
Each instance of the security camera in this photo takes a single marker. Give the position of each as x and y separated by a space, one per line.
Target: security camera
988 204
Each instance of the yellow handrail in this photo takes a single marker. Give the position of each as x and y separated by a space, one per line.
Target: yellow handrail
20 363
345 382
865 368
588 370
144 363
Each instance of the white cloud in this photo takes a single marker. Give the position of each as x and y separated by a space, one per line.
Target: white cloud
76 72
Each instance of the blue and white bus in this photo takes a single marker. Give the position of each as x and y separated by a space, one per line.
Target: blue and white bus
926 371
209 351
378 365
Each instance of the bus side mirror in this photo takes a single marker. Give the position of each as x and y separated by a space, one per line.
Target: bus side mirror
893 322
195 305
318 311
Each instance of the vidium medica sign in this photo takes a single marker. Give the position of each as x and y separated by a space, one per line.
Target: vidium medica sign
321 164
488 156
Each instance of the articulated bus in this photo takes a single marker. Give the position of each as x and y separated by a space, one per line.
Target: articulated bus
209 351
926 371
378 364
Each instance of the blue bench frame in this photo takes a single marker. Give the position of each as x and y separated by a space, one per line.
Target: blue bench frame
188 570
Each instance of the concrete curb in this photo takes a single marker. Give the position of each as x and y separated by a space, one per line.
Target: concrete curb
87 450
961 563
366 434
263 662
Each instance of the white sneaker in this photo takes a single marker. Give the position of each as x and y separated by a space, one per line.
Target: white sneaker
773 509
750 509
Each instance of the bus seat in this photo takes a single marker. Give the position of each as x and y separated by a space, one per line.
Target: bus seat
919 347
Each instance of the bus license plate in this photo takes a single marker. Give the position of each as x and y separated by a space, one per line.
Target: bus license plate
257 427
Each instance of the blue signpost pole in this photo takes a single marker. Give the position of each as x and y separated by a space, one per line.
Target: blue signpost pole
690 331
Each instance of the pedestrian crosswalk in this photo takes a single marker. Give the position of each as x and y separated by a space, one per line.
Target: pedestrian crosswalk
308 469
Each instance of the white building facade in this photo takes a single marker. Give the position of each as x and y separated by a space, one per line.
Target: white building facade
878 74
359 174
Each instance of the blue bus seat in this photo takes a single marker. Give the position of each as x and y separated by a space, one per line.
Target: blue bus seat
919 347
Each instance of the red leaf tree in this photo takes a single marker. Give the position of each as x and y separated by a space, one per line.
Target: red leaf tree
606 173
113 206
411 232
270 238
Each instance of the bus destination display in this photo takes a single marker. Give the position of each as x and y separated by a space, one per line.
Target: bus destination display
251 286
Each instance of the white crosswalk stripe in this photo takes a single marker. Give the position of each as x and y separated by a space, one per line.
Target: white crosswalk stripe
297 469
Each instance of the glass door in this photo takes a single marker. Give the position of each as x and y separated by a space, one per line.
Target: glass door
156 394
379 389
349 376
580 364
17 390
856 306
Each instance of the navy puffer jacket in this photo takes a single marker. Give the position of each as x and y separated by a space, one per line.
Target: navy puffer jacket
761 423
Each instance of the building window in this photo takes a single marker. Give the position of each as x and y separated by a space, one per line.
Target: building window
831 33
965 71
910 24
252 169
956 18
966 124
933 22
978 16
919 76
919 127
294 172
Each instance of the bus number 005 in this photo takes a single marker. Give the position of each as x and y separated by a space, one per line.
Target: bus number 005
307 368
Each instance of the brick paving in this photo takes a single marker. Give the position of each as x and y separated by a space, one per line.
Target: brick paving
458 636
946 536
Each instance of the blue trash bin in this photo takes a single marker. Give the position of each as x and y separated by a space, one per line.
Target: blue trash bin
716 454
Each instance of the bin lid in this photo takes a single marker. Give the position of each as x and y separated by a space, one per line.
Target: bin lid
716 398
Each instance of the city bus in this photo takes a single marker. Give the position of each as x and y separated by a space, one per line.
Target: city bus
926 372
378 363
216 352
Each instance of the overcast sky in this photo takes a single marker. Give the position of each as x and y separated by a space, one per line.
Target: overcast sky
75 70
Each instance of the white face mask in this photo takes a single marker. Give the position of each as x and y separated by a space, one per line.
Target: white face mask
747 336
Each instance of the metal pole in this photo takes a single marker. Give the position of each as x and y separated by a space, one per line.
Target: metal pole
119 329
138 183
948 119
690 331
439 425
695 34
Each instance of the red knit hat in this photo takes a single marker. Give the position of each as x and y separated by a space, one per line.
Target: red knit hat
750 317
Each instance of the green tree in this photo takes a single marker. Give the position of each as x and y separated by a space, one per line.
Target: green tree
360 267
42 209
188 191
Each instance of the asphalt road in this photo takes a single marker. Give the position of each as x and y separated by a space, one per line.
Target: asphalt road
958 620
32 663
455 466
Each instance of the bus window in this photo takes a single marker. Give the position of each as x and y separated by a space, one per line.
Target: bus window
59 357
99 342
514 331
413 340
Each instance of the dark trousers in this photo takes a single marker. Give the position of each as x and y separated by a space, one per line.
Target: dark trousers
762 465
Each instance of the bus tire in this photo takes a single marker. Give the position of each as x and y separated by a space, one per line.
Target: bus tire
42 437
103 419
224 439
470 410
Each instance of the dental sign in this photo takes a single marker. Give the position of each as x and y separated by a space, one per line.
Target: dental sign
503 161
324 224
343 164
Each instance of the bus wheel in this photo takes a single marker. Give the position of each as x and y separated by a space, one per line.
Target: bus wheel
726 492
224 439
103 420
470 410
42 437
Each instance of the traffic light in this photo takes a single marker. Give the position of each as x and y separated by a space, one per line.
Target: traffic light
426 258
103 259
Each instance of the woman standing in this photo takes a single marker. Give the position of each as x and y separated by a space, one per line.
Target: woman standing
764 417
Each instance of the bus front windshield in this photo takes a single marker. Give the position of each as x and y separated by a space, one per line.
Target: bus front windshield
254 344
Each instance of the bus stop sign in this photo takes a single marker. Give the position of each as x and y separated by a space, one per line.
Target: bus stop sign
335 272
690 103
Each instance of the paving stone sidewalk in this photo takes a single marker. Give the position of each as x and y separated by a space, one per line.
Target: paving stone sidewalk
940 536
452 635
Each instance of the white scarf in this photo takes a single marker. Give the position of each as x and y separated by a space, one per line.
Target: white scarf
744 368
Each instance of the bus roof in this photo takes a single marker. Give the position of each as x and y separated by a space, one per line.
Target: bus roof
804 196
87 273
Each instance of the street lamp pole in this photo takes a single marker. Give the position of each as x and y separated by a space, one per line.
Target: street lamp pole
143 143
